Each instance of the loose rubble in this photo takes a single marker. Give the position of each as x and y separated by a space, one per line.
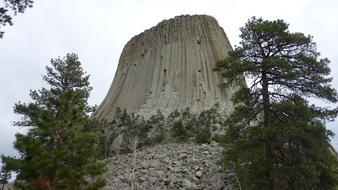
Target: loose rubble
169 166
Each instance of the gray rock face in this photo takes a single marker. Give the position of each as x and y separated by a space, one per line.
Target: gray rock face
169 166
169 67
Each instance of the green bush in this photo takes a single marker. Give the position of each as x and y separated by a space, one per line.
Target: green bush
218 138
203 136
179 131
158 139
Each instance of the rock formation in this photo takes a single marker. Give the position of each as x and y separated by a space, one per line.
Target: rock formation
169 67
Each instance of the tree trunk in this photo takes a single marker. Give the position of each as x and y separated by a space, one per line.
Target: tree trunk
4 180
270 137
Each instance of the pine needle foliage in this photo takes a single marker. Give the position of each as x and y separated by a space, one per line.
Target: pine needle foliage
59 151
275 139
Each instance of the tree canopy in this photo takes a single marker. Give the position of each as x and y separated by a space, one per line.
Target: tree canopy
16 6
59 150
274 132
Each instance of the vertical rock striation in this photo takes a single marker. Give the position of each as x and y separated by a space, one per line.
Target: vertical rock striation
169 67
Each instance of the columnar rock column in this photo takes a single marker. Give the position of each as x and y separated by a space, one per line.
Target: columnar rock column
170 66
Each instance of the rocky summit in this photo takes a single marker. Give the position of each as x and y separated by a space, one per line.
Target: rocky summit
170 66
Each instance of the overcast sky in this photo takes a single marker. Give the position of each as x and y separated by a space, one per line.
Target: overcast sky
98 30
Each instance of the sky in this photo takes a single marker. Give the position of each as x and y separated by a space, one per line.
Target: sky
98 30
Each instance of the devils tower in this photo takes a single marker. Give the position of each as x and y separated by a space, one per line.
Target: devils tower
169 67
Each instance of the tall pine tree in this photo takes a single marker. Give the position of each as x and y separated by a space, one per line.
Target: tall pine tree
59 151
275 139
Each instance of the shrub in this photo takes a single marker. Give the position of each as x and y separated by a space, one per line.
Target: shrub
203 136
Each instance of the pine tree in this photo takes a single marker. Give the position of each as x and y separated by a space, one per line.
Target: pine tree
59 150
275 139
